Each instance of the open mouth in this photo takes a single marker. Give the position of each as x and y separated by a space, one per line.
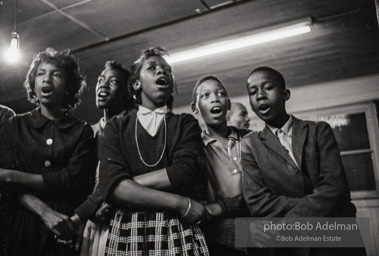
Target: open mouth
162 82
103 94
46 91
216 110
264 108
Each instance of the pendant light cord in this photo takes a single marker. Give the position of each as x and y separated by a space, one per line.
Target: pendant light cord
15 16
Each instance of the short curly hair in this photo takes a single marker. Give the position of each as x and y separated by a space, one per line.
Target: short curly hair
75 82
136 71
275 73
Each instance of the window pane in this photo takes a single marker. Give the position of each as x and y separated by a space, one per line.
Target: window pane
359 171
350 130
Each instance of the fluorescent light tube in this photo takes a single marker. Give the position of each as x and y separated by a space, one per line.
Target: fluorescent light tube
262 36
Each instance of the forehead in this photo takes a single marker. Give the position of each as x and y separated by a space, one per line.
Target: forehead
158 60
210 84
110 72
49 65
260 76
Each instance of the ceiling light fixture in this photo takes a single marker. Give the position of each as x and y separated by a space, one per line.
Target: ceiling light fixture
13 53
265 35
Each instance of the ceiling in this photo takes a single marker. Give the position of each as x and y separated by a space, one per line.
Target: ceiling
344 42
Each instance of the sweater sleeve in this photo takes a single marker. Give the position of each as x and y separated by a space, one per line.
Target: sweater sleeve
88 209
7 137
113 165
185 171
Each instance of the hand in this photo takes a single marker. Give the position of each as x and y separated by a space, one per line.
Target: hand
78 232
6 176
196 211
60 224
104 213
214 210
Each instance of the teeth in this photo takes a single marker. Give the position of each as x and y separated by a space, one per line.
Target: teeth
216 110
103 94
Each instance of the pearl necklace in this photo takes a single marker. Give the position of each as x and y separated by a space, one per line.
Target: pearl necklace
164 147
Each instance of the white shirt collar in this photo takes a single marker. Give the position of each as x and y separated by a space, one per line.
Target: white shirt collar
102 122
151 119
145 111
286 128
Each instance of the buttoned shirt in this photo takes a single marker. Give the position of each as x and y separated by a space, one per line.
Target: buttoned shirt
224 164
285 136
151 119
61 151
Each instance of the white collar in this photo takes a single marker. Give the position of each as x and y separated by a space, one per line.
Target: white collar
286 128
145 111
151 119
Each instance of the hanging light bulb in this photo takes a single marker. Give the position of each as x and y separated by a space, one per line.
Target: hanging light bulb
13 53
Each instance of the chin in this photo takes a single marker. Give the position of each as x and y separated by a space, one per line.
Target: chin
266 119
101 105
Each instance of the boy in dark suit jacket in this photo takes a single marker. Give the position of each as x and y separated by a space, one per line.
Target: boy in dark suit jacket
293 167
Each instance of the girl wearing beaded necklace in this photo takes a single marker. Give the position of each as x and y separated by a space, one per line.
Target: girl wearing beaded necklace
150 169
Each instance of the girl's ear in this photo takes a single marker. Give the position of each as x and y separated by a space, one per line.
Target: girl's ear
136 85
194 108
287 94
229 105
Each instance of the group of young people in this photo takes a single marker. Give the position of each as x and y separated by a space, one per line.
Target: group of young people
146 181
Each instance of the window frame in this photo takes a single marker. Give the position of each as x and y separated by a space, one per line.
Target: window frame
369 109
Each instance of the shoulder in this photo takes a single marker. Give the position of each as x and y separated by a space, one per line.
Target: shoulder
124 119
74 125
25 117
251 135
241 132
96 127
6 112
120 124
182 119
317 126
71 120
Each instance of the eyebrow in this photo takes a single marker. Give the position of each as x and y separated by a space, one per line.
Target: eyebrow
56 69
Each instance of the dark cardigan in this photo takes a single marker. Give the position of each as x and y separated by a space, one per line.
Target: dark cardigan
121 160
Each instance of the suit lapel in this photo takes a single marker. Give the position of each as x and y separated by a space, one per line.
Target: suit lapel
299 133
271 141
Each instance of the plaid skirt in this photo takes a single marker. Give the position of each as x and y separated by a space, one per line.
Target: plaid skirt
153 233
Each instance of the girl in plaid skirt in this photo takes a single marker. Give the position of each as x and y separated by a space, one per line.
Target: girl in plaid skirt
150 169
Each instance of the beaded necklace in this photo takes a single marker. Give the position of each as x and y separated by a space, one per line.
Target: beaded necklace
164 147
